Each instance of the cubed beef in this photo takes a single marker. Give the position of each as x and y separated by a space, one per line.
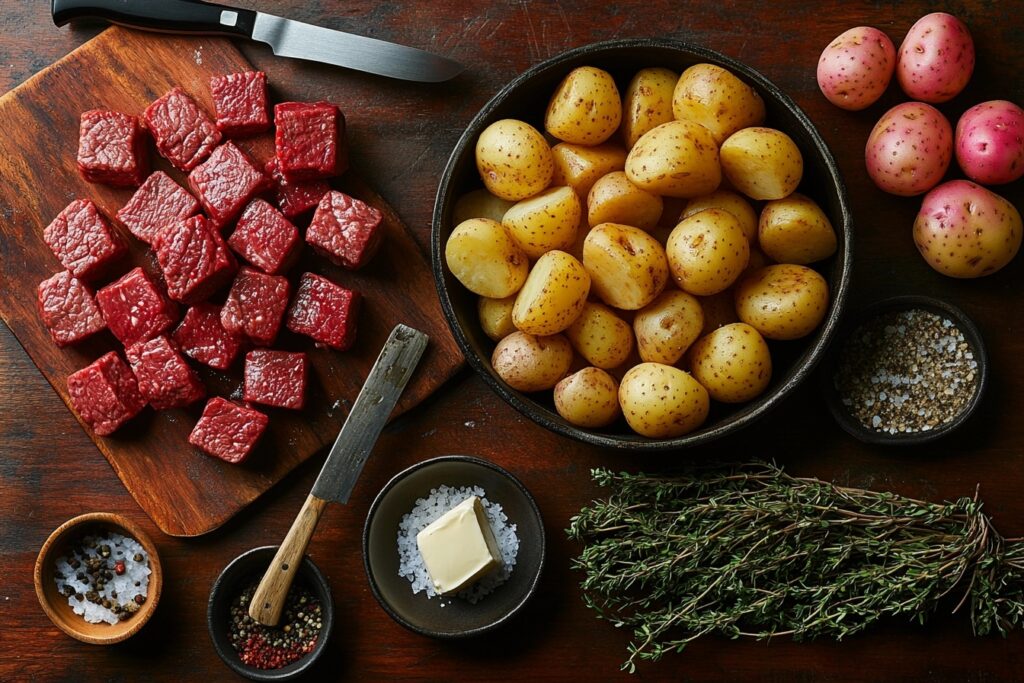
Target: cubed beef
227 430
310 140
226 182
158 203
265 238
194 258
83 241
345 230
255 306
183 132
241 103
68 309
105 394
276 378
294 198
324 311
164 376
135 308
112 148
201 336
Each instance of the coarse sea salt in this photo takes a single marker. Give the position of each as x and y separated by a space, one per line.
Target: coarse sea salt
123 549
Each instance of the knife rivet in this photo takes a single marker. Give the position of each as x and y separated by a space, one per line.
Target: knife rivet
284 567
228 18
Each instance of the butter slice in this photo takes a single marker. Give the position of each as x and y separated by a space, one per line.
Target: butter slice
459 547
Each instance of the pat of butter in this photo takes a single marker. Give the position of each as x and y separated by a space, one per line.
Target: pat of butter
459 547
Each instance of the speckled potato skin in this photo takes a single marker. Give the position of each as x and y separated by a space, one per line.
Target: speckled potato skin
783 301
989 142
496 316
545 221
855 69
553 295
627 267
795 230
482 256
718 309
733 363
762 163
965 231
479 204
676 159
514 160
936 59
648 102
530 363
732 202
580 167
707 252
588 398
667 326
599 335
909 149
716 99
586 108
613 199
660 401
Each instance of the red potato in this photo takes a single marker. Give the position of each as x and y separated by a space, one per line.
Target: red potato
855 69
909 149
936 59
989 142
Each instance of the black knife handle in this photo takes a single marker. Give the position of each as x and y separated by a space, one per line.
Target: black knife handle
169 16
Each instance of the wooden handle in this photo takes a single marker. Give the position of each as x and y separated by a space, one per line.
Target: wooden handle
268 600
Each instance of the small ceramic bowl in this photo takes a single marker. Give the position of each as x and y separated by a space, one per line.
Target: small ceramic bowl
457 618
56 605
243 570
853 426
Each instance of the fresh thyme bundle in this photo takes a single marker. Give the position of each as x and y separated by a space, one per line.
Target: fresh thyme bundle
751 551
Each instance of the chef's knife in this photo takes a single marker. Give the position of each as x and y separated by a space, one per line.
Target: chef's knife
286 37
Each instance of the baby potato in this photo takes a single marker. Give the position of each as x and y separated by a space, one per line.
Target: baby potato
545 221
484 258
580 167
707 252
588 398
678 159
496 316
783 301
716 99
648 102
733 363
660 401
479 204
514 160
604 339
667 326
734 203
762 163
718 309
529 363
553 295
586 108
627 266
613 199
795 230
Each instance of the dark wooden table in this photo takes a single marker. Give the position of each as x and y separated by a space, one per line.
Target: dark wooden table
401 136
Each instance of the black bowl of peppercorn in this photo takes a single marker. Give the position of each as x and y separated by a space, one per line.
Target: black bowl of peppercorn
262 653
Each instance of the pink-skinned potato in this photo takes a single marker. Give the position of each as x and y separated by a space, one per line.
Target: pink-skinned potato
856 67
936 59
989 142
909 149
965 231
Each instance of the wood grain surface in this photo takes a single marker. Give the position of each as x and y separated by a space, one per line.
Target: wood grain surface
401 136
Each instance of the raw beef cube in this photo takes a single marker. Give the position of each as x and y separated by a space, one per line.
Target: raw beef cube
164 376
68 309
276 378
112 148
226 182
183 132
324 311
255 306
201 336
265 238
83 241
194 258
295 198
135 309
227 430
310 140
158 203
105 394
241 103
345 230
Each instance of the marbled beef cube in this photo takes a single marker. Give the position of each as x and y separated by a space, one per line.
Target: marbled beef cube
227 430
68 309
345 230
265 238
112 148
184 133
202 338
194 259
158 203
294 198
276 378
226 182
164 376
135 308
324 311
310 140
241 103
83 241
255 306
105 394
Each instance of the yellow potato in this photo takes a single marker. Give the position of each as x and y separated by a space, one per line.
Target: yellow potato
604 339
707 252
514 160
734 203
795 230
718 309
783 301
588 398
762 163
553 295
648 102
496 316
678 159
716 99
733 363
586 107
660 401
479 204
579 167
627 267
484 258
545 221
613 199
667 326
530 363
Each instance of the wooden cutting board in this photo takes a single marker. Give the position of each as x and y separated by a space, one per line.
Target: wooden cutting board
186 492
